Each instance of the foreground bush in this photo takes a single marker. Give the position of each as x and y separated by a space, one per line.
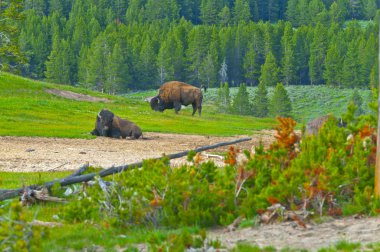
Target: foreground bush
330 173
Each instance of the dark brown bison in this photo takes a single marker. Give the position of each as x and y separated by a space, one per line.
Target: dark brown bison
109 125
174 94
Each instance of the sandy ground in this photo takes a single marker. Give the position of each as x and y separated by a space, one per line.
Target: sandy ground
57 154
313 237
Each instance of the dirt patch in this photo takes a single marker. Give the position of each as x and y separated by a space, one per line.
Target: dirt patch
76 96
29 154
312 238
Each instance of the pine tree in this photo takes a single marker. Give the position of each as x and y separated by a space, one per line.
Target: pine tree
135 11
164 62
269 71
147 65
240 46
189 9
316 8
280 103
273 10
251 67
318 51
241 12
11 58
302 54
288 58
212 60
209 11
83 71
370 9
303 12
351 66
38 6
357 100
333 66
163 9
58 64
357 9
117 76
368 57
223 99
207 71
240 103
374 76
261 101
291 12
223 72
197 51
96 62
225 16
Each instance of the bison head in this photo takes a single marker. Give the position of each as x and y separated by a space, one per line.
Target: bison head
157 104
105 118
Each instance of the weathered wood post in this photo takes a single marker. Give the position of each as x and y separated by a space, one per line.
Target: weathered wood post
377 167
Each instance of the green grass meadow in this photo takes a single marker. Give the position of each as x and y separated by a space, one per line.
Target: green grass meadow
27 110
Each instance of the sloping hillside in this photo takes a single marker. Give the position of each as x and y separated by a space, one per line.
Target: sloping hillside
28 109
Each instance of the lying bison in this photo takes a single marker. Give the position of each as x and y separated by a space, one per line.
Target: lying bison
173 94
109 125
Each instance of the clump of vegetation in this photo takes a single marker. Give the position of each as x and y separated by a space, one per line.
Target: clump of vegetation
280 103
16 233
241 104
326 174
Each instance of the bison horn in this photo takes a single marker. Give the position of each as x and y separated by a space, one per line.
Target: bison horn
99 116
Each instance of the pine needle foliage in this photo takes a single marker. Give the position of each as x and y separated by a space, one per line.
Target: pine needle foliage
261 101
224 99
241 104
280 103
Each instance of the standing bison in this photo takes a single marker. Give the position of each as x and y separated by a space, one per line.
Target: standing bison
173 94
109 125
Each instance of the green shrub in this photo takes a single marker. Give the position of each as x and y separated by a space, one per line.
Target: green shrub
16 233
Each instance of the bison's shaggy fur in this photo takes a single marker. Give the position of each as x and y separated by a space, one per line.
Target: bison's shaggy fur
109 125
173 94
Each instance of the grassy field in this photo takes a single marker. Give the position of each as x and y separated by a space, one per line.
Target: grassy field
308 102
27 110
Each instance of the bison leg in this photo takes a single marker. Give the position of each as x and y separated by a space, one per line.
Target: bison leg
177 107
95 132
115 134
194 108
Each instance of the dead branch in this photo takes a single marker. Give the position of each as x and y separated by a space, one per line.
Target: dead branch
45 223
12 193
80 171
30 196
235 224
8 194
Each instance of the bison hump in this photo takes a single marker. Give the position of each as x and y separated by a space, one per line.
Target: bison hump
173 90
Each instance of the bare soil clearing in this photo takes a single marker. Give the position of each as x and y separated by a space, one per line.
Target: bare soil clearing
76 96
32 154
313 237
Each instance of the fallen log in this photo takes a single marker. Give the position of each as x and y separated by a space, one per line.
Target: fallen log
12 193
8 194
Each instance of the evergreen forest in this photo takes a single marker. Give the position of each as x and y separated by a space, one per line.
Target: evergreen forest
116 46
